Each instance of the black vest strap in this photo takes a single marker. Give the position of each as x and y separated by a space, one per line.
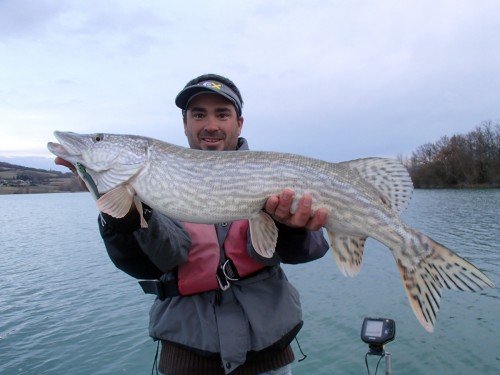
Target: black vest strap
163 289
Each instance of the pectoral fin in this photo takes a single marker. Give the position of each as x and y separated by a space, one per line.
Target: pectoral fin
117 202
264 234
348 252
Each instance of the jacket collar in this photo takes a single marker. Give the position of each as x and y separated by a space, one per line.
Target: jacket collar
242 144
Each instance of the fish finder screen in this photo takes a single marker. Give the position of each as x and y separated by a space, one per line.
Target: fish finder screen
374 328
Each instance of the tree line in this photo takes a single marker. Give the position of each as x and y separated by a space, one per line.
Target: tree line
469 160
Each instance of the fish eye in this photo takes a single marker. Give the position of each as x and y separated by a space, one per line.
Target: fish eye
98 137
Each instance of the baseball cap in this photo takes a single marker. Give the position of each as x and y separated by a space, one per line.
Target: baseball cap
211 86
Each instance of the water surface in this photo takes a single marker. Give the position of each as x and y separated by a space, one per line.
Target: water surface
64 307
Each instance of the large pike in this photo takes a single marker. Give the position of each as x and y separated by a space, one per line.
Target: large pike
364 198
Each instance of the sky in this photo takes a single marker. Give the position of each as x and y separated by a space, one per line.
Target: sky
335 80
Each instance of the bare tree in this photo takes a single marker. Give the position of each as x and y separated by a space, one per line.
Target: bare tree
459 160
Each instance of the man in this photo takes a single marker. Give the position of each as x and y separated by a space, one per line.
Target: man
221 308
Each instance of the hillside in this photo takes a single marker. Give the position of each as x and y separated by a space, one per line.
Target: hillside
17 179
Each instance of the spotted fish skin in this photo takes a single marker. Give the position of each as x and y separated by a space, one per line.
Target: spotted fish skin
364 199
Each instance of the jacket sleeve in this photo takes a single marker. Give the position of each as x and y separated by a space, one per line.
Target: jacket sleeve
145 253
296 245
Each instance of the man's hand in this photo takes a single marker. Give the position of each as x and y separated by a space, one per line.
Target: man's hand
65 163
279 208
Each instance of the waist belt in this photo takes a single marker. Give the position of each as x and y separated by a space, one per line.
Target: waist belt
226 274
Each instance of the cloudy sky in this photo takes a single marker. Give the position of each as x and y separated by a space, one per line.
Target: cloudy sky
335 80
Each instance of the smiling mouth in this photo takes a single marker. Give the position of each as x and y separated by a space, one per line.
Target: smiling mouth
211 140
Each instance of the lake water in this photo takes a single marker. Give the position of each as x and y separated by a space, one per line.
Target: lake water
65 309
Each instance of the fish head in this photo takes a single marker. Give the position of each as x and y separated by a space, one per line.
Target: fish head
110 159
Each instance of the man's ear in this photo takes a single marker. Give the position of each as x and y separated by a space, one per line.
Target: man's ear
240 124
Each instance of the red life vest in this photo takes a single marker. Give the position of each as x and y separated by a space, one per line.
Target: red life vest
198 273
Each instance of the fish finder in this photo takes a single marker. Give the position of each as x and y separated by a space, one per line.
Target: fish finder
377 332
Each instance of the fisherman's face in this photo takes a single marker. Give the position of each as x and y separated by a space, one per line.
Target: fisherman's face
211 123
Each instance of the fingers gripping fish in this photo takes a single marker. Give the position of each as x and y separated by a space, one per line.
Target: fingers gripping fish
364 198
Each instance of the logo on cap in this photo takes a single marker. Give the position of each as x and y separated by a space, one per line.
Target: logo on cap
214 85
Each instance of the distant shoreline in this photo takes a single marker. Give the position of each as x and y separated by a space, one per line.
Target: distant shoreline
461 187
17 179
10 190
7 190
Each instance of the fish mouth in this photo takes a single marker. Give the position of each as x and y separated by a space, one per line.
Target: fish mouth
70 146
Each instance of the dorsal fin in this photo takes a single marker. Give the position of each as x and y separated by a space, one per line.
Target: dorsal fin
389 177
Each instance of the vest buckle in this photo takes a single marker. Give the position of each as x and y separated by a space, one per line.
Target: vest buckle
229 270
223 282
226 273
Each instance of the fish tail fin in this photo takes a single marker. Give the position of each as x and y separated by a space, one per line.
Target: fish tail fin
437 268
